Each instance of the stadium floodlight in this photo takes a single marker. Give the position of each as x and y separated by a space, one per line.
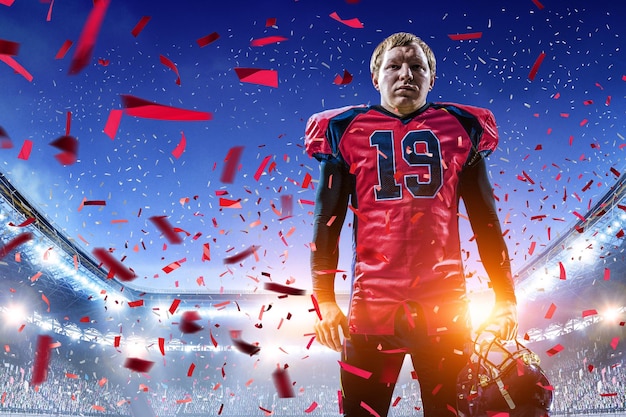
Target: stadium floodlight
14 314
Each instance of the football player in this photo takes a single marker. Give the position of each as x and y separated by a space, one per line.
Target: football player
402 167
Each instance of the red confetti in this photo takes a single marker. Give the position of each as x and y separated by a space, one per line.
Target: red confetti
241 255
587 313
166 228
115 266
138 365
261 167
210 38
346 79
310 408
140 25
63 50
535 67
206 252
562 274
138 107
162 345
282 383
136 303
614 342
180 148
354 23
607 274
68 145
9 47
283 289
7 2
264 77
550 311
188 322
465 36
26 149
87 40
113 123
190 370
554 350
270 21
267 40
174 306
538 4
230 168
42 360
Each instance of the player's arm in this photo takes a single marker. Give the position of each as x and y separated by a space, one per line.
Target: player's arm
331 203
475 189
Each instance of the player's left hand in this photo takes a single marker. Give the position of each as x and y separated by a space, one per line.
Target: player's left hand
502 321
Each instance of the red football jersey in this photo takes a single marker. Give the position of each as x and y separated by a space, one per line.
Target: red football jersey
407 244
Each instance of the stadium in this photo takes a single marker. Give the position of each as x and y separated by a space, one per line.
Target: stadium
154 254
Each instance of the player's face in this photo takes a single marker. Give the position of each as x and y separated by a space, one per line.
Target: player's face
403 79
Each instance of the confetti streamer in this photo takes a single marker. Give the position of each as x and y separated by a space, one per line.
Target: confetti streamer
536 65
268 40
191 369
136 303
140 26
354 370
283 289
88 37
14 243
138 365
168 63
264 77
138 107
354 23
17 67
25 223
42 360
208 39
116 268
465 36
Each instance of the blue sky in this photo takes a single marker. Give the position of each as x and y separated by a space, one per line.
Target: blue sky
561 133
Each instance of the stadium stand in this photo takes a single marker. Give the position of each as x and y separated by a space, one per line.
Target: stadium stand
571 305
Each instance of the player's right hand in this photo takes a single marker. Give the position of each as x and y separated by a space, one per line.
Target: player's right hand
327 330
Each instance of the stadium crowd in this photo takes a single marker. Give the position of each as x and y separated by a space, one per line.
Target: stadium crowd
587 377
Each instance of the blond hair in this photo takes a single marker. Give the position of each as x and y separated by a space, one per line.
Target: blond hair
401 39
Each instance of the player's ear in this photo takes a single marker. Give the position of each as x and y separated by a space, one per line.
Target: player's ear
432 81
375 80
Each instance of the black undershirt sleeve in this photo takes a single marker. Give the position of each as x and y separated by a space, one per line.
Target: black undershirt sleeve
333 194
475 190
